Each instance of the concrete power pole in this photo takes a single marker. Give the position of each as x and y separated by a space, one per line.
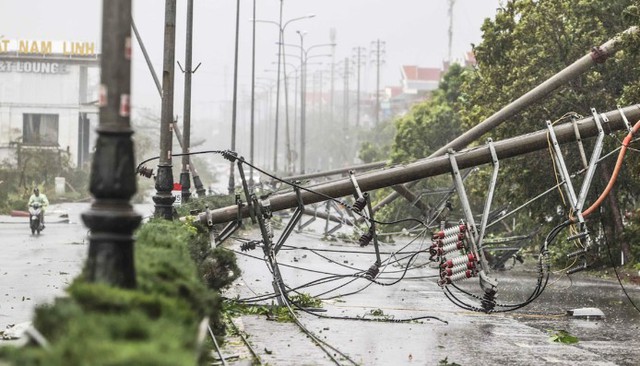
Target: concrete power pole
164 179
185 179
111 218
450 32
434 166
194 173
346 95
332 38
378 57
232 184
358 61
253 95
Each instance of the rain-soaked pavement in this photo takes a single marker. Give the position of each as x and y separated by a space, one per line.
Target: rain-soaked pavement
516 338
34 270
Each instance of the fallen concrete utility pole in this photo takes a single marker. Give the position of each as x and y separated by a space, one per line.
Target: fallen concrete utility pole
430 167
328 173
597 55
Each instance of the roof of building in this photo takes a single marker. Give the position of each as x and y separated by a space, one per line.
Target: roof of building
412 72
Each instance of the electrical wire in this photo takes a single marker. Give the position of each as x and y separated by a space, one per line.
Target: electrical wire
543 277
615 269
366 319
614 175
285 299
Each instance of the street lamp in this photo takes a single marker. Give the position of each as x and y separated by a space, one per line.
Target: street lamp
304 57
281 28
265 90
291 146
303 127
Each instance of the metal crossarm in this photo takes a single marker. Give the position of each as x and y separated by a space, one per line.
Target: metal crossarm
595 155
624 118
562 166
292 223
263 215
488 285
245 188
492 187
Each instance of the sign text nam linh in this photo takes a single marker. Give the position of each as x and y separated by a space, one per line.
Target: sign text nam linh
67 48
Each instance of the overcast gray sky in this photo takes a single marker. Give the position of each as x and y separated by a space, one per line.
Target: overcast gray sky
414 32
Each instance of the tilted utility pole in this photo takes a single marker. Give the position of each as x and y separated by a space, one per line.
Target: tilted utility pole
146 57
597 55
111 219
185 179
164 179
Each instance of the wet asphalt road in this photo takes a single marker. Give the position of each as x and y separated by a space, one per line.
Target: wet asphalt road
34 270
515 338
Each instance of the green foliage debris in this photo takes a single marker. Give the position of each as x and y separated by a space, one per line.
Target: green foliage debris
280 314
305 300
562 336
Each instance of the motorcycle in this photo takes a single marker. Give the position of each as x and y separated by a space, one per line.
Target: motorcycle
36 225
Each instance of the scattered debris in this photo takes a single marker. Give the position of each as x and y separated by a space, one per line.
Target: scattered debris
587 313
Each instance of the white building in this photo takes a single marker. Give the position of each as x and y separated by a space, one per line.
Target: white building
48 97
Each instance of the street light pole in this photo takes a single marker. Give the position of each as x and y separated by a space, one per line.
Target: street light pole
303 85
281 29
164 179
275 143
111 219
290 145
303 109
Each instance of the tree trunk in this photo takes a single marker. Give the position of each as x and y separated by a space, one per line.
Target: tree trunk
613 217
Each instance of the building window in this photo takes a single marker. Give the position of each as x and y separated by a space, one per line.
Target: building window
40 129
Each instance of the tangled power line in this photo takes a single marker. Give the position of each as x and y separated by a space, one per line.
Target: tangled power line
457 251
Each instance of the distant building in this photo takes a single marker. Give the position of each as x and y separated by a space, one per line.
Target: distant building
420 81
470 59
416 84
48 99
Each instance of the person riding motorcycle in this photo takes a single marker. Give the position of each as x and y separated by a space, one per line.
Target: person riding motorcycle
40 198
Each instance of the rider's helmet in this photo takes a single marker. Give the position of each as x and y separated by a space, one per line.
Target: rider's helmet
36 191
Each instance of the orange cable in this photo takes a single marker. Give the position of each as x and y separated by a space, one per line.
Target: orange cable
614 175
